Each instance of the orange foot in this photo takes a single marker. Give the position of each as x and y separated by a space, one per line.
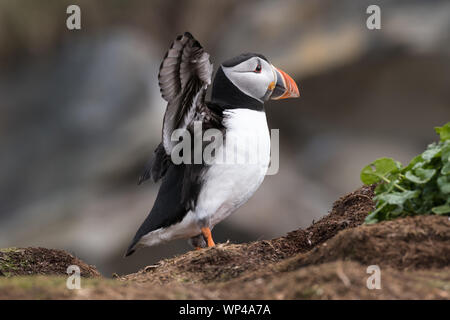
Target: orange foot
208 236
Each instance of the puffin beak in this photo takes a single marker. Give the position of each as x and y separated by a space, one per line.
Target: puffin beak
285 86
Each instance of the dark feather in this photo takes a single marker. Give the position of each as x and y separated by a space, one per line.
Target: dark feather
168 208
157 166
184 75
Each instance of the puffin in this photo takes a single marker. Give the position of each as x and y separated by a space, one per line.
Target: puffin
194 196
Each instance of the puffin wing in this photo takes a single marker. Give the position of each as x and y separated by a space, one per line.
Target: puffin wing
184 76
157 166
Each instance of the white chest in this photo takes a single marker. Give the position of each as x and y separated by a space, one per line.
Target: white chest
230 183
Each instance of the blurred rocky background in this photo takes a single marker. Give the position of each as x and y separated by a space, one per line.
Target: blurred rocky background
80 111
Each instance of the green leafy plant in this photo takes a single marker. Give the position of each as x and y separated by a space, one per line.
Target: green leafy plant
421 187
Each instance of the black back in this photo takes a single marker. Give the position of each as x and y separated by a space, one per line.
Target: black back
168 208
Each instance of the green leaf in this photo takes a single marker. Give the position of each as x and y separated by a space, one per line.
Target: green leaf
444 209
443 183
446 152
398 198
419 165
420 175
373 216
444 131
431 152
379 170
446 168
371 219
422 187
412 164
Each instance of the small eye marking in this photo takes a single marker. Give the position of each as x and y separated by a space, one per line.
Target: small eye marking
258 68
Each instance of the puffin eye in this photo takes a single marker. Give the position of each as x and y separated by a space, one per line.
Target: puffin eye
258 68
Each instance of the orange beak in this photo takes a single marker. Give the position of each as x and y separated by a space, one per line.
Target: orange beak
285 86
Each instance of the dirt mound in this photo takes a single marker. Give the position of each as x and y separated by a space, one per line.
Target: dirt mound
331 261
227 261
40 261
332 280
411 243
347 212
328 260
339 280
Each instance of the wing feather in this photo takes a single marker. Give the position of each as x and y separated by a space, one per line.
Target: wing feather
184 76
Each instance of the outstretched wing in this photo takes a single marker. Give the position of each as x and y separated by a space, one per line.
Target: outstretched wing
184 76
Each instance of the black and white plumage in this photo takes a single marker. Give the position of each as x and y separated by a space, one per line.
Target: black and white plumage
193 198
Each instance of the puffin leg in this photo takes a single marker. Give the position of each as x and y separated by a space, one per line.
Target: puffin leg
208 236
198 242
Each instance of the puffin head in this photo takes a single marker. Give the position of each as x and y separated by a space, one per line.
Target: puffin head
248 80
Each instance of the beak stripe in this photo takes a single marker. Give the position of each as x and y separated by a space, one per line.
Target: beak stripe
290 85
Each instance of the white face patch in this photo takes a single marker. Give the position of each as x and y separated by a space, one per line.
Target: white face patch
246 77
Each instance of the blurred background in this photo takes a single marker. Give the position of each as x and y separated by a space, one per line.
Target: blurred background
81 113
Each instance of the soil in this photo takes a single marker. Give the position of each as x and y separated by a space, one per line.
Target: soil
328 260
42 261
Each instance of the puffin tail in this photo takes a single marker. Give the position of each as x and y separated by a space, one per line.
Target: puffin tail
129 252
132 248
